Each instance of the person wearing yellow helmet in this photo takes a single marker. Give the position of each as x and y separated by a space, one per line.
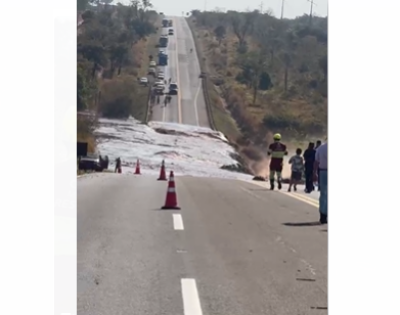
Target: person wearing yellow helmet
277 151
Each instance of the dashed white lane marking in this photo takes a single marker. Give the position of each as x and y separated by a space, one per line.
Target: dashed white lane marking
178 222
191 301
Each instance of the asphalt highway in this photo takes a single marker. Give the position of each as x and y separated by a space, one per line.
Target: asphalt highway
234 248
188 107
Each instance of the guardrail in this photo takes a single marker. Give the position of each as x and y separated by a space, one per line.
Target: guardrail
204 81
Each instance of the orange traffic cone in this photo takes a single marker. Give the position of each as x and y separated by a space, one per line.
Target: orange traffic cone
163 176
137 171
171 200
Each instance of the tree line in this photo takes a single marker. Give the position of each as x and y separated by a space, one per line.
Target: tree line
105 48
275 68
109 52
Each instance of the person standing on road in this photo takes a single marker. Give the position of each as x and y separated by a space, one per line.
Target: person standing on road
297 170
277 151
309 158
118 165
321 167
318 144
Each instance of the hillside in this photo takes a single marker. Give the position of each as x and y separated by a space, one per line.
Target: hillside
269 74
113 48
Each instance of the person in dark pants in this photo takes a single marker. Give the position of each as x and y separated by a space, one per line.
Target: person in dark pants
318 144
309 158
321 166
118 165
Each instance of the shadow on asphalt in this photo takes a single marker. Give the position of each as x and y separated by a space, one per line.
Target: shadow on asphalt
298 224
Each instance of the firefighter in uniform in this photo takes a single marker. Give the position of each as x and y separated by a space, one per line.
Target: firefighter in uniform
277 151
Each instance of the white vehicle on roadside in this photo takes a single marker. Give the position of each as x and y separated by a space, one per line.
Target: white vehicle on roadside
152 71
144 80
160 76
159 85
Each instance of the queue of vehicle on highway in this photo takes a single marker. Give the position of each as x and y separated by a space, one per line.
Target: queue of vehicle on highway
156 69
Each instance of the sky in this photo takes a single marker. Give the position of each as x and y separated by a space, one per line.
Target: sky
292 8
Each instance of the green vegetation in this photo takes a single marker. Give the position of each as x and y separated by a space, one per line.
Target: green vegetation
271 73
113 47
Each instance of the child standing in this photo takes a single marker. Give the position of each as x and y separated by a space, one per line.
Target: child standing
297 163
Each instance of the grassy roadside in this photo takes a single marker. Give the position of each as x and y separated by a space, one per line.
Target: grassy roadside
222 118
298 113
151 50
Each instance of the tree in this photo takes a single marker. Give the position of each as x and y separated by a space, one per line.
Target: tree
93 51
82 5
254 72
146 4
118 55
82 90
288 57
220 32
241 25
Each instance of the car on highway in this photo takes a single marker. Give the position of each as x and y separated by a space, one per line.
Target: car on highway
173 86
159 88
93 162
173 89
152 71
160 76
159 84
144 81
153 63
171 31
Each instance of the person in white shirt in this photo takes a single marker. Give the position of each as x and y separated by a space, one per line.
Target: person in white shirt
321 174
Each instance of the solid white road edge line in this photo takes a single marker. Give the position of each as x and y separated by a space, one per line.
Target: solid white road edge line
191 301
178 222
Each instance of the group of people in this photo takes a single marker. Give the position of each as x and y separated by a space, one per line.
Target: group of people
304 164
313 164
